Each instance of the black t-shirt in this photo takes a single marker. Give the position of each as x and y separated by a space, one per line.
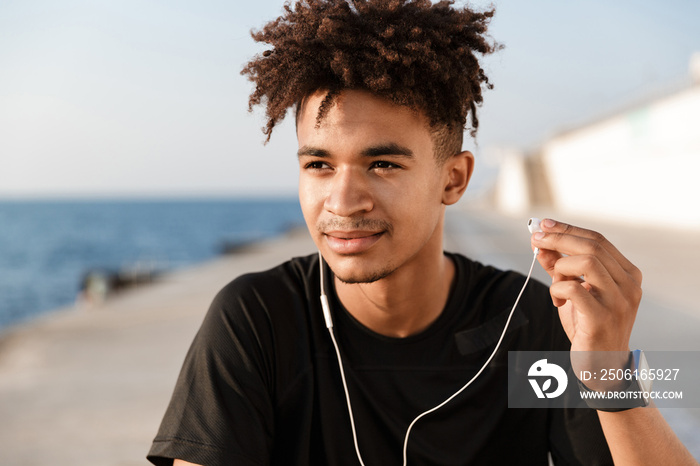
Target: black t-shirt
261 385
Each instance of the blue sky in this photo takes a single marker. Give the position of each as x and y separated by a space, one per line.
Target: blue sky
142 98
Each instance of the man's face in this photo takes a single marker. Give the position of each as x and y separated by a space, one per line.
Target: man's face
369 186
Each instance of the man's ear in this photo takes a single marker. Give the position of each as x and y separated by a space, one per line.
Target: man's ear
459 170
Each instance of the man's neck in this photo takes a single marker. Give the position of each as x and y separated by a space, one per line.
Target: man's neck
405 302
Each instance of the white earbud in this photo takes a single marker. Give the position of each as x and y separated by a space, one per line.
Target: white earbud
534 225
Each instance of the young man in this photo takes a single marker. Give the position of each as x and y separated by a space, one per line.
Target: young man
382 90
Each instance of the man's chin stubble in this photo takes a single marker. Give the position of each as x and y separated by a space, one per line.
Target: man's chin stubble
369 278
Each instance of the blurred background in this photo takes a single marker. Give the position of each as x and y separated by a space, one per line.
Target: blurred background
127 151
134 99
594 112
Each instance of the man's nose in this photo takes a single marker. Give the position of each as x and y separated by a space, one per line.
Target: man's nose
349 193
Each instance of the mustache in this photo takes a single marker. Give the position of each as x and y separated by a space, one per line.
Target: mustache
354 224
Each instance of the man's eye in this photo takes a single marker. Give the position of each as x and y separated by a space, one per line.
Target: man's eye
383 164
317 165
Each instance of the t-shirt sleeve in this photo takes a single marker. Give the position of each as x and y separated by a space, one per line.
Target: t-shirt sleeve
221 411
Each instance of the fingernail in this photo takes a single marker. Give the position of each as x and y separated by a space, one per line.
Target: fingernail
538 235
549 223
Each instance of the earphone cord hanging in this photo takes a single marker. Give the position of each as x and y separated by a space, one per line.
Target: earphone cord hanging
329 324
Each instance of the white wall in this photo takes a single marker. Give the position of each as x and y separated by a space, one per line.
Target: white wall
637 166
511 193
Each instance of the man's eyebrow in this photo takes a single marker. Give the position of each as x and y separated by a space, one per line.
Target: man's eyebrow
373 151
312 152
387 149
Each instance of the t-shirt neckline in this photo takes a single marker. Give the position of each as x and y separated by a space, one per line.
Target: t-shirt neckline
450 311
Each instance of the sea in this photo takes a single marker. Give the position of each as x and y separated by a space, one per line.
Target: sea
48 246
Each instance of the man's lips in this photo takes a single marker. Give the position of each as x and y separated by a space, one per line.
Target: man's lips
351 242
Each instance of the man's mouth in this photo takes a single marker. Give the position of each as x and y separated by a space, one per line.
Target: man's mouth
351 242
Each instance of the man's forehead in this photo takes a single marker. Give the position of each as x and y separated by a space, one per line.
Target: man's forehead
351 103
354 110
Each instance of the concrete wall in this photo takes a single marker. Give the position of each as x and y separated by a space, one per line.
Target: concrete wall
640 166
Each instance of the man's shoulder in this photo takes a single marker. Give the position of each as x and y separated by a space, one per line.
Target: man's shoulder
278 298
290 278
261 313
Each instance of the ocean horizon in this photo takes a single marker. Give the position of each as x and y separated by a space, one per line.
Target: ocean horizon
48 246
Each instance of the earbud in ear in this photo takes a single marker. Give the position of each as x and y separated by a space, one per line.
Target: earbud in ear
534 225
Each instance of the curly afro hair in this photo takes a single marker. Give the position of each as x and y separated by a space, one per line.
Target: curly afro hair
411 52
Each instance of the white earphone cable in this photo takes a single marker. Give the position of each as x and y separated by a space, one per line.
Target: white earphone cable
329 324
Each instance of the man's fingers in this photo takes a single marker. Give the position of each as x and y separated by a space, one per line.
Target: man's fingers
564 239
547 259
549 225
585 268
576 292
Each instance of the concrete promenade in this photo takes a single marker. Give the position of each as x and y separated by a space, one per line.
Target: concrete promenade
89 386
